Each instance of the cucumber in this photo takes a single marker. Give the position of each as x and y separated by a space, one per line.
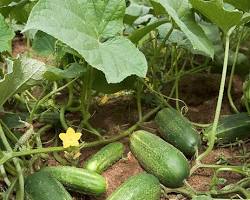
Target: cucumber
232 128
159 158
139 187
177 130
104 158
78 180
42 186
49 117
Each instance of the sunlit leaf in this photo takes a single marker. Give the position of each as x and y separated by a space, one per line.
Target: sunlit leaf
214 11
93 29
6 35
23 73
182 15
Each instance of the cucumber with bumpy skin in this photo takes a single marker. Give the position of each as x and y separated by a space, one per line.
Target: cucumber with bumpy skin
232 128
177 130
105 157
139 187
160 158
78 180
42 186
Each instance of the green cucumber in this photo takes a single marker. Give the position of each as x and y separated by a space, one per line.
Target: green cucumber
139 187
78 179
104 158
49 117
159 158
177 130
232 128
42 186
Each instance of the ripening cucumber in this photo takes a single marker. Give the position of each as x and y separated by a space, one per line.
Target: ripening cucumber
231 128
105 157
139 187
159 158
42 186
78 179
177 130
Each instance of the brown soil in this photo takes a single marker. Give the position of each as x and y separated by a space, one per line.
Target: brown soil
200 94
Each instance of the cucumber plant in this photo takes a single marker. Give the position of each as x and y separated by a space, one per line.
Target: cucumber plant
98 48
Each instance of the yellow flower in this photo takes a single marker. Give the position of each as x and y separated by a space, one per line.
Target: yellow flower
70 138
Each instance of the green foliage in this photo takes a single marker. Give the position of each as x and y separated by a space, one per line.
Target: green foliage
240 4
95 36
100 83
74 70
6 35
17 9
183 16
44 44
224 18
22 74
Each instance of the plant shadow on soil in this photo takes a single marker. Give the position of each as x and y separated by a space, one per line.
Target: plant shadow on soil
199 91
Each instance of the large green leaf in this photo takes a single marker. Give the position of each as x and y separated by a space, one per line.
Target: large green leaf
92 28
6 35
214 10
240 4
183 16
23 73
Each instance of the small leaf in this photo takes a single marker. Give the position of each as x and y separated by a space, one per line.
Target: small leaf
6 35
138 34
43 43
246 18
223 18
12 120
92 28
133 11
73 71
183 16
25 73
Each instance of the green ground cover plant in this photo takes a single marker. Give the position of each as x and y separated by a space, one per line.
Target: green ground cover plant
80 54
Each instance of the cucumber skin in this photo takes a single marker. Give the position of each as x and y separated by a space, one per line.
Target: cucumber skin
42 186
160 158
139 187
78 179
232 128
105 157
177 130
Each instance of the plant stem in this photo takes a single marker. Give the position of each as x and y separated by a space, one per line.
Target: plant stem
7 194
62 118
138 98
232 73
9 155
4 175
16 163
41 101
123 134
212 134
